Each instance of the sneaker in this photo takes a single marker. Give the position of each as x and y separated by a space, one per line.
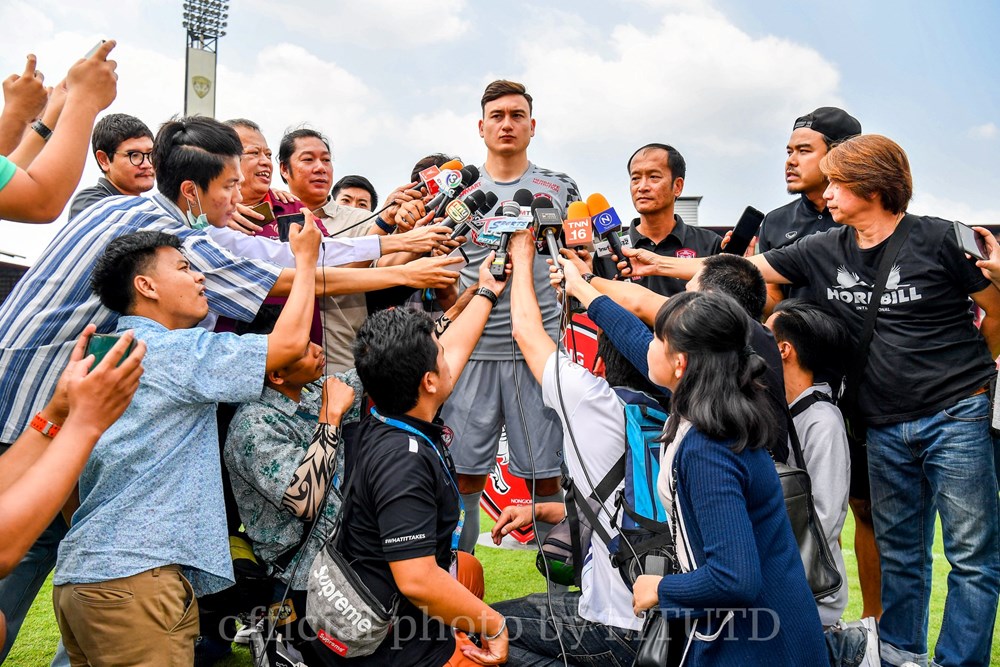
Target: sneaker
243 635
872 654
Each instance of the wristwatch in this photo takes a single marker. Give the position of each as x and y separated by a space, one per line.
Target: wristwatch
42 129
488 293
44 426
384 226
587 277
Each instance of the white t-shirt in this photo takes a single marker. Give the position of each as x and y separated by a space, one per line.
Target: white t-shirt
597 419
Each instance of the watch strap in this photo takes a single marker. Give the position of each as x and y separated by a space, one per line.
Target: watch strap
488 293
44 426
43 130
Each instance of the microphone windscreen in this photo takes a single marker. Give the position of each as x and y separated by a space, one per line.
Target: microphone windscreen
578 210
597 203
452 164
475 200
470 174
541 202
523 197
489 201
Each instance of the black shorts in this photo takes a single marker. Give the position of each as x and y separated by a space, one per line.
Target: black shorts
860 486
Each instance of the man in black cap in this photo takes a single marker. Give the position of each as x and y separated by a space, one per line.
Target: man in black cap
812 136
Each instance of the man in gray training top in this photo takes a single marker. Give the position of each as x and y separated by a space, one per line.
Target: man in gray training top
488 397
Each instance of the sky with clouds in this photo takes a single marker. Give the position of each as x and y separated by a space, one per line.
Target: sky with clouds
721 80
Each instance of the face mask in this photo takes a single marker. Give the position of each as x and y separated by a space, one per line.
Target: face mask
201 222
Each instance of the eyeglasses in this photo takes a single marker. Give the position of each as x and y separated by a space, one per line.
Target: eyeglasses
137 157
255 153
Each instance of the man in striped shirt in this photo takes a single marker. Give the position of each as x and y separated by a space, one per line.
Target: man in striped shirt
52 303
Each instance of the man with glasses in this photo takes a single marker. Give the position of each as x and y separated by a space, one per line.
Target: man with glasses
123 147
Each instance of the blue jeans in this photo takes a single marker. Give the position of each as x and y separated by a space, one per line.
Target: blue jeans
944 464
533 636
19 589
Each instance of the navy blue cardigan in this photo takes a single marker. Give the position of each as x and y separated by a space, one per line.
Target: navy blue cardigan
748 561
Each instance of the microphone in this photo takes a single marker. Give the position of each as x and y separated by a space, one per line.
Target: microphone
511 209
469 175
577 229
427 182
607 224
487 201
548 226
460 212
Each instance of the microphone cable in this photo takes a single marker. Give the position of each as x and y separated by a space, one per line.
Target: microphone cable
531 460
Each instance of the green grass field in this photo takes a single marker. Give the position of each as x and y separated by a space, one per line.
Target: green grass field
509 574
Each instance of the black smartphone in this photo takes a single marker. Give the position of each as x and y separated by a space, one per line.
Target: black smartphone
100 344
744 231
970 241
285 223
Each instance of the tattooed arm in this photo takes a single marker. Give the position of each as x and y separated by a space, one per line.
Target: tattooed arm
312 478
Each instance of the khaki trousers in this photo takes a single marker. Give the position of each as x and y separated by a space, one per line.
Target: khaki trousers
150 618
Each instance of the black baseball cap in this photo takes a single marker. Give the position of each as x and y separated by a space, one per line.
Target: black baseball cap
833 123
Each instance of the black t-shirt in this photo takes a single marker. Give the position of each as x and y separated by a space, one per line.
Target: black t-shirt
926 353
789 223
683 241
402 505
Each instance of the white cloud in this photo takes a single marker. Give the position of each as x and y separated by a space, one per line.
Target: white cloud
985 131
928 203
386 24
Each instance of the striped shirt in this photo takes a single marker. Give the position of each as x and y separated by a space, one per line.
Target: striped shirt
50 306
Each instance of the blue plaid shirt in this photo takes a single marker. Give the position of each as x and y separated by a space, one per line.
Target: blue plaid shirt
151 492
48 309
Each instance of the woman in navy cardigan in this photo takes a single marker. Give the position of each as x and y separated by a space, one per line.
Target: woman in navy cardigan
743 588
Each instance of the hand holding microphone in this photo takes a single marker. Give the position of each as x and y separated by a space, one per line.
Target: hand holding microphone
608 225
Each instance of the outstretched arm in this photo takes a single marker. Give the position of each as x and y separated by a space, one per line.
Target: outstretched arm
461 337
528 331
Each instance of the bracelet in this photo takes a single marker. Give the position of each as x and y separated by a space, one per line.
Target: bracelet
587 277
384 226
42 129
503 626
44 426
482 291
442 325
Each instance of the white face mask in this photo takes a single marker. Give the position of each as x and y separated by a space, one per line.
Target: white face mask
201 222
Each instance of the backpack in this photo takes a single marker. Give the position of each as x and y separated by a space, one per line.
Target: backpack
638 518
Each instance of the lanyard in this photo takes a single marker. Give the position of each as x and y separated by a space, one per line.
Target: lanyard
412 431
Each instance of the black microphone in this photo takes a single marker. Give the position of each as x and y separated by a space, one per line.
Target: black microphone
476 204
470 174
548 227
511 209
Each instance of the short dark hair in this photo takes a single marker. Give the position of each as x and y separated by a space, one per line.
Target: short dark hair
619 371
113 129
820 340
432 160
287 145
245 123
721 393
122 260
675 161
737 277
393 351
502 87
263 322
355 181
194 148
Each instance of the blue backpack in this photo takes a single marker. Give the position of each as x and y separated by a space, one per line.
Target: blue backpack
639 517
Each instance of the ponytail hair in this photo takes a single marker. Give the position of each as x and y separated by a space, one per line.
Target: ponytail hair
721 392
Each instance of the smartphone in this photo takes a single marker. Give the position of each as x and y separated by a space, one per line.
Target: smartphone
264 208
94 49
460 257
100 344
285 223
970 241
744 231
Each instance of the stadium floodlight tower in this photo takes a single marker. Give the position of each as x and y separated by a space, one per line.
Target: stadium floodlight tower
205 22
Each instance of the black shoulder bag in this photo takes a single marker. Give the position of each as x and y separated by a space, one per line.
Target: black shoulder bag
848 402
